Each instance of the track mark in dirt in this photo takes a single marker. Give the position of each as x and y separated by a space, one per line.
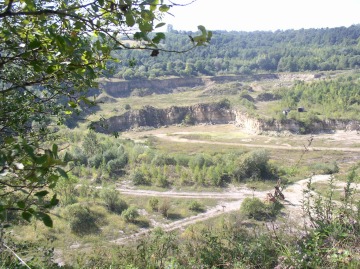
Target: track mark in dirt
293 203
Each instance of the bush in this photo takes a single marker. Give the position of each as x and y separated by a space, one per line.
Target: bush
224 104
188 120
334 237
164 208
326 168
112 200
162 159
196 206
254 165
82 221
114 166
138 178
254 208
130 214
200 160
154 204
95 161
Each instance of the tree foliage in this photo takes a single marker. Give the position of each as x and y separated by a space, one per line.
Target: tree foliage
250 52
51 53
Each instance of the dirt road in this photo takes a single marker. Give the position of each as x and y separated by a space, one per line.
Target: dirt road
293 203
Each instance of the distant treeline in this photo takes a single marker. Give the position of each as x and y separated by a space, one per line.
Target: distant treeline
245 53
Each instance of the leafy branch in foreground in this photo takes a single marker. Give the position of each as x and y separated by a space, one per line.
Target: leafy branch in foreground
51 54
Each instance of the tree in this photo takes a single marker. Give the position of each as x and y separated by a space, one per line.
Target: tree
90 143
52 52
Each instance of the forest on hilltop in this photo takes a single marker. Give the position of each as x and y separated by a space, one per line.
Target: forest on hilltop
246 52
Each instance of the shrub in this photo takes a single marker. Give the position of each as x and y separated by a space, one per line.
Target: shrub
162 159
200 160
161 181
188 120
95 161
256 209
182 159
114 166
154 204
326 168
196 206
112 200
138 178
333 239
224 104
254 165
164 208
81 220
130 214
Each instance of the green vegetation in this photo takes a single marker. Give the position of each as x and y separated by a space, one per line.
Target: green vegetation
245 53
331 99
256 209
84 184
52 54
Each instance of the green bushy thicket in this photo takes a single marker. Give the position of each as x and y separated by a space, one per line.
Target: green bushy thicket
81 219
332 99
142 165
112 200
257 209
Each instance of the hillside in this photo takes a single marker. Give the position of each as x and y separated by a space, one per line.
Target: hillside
247 52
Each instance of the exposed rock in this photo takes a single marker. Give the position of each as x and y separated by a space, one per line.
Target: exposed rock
253 125
150 117
154 117
164 86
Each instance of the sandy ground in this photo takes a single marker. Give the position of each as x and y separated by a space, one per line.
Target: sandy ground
293 203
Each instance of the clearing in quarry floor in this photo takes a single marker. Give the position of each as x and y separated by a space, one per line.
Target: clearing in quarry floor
340 146
229 133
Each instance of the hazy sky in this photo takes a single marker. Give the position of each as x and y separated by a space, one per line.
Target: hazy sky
251 15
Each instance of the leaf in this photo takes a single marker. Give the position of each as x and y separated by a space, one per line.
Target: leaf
153 5
55 149
26 216
30 151
54 201
42 159
202 29
34 44
145 27
46 219
21 204
158 37
72 104
209 35
62 172
41 193
164 8
161 24
130 21
95 7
